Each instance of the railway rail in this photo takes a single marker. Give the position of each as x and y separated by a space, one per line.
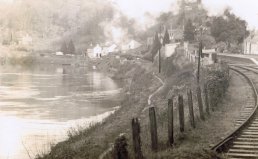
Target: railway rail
243 142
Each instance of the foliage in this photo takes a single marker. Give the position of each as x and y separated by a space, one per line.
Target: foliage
221 47
217 82
189 31
71 48
156 45
64 48
166 39
228 28
208 41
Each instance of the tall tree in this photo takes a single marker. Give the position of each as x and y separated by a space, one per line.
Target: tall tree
166 39
64 48
156 45
229 29
71 47
189 31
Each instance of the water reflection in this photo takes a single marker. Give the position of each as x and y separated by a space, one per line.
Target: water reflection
38 106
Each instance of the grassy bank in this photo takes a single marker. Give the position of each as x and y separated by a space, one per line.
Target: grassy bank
138 83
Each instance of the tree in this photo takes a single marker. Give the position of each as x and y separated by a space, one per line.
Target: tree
156 45
71 47
166 39
64 48
229 29
189 31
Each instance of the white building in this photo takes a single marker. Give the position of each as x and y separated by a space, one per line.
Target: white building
251 44
24 39
133 44
97 51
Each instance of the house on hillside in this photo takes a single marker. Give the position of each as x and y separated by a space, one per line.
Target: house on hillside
89 51
193 4
113 48
97 51
24 38
133 44
176 35
251 44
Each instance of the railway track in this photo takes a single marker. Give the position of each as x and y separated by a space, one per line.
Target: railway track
243 142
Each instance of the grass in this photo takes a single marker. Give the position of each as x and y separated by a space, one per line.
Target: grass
139 82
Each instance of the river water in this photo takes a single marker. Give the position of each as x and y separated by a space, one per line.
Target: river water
39 105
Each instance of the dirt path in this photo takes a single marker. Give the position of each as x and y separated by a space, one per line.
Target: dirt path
160 88
146 65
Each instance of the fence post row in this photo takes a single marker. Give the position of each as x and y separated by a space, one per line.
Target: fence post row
200 104
136 130
190 105
153 129
206 99
181 113
170 122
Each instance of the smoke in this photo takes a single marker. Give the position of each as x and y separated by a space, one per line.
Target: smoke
113 31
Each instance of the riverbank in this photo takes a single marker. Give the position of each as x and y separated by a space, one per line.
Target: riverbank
139 82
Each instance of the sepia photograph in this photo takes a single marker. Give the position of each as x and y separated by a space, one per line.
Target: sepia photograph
128 79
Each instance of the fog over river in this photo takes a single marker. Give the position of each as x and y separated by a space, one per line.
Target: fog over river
39 105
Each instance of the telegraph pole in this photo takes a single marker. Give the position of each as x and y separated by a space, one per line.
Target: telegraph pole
160 32
199 59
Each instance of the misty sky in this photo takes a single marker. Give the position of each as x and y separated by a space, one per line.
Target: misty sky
246 9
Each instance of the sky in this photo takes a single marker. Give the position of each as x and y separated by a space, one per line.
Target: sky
246 9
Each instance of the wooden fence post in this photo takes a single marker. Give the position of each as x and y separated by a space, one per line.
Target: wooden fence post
153 129
181 113
136 130
200 104
170 122
190 105
120 148
206 99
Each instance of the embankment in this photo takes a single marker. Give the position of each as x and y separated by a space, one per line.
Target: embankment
138 83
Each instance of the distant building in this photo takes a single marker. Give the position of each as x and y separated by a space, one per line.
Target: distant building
170 49
97 51
176 35
24 39
101 50
113 48
251 44
133 44
89 52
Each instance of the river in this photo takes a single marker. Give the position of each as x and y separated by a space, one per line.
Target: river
39 105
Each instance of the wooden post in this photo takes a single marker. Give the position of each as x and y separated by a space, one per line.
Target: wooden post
120 148
206 97
170 122
190 105
200 104
136 138
181 113
153 129
159 62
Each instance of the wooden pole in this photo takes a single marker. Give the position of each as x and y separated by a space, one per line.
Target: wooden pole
153 129
190 105
136 138
200 104
206 97
170 122
159 62
120 148
181 113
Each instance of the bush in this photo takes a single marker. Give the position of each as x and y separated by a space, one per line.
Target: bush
217 82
